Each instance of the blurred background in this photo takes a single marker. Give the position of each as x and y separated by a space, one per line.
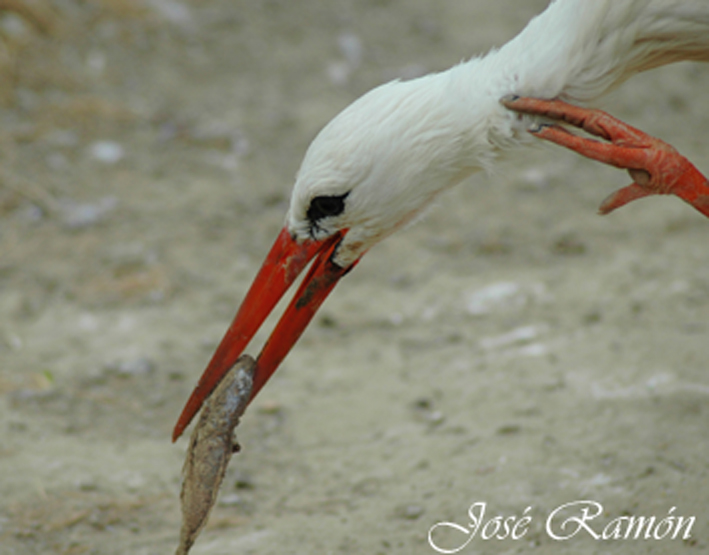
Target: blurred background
512 347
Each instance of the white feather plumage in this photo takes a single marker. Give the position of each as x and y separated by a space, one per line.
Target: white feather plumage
398 146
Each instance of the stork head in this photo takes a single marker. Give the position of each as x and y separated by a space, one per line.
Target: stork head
368 172
381 161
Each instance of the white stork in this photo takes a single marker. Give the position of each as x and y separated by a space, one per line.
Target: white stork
383 159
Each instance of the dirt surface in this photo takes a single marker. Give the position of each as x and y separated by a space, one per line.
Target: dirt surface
512 348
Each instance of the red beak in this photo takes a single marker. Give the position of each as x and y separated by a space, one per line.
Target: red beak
284 263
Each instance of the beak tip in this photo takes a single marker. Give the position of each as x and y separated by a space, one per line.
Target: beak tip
194 403
284 263
177 432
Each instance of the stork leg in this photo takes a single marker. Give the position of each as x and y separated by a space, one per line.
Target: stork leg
655 166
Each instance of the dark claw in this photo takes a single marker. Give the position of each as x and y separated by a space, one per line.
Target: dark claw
509 98
537 127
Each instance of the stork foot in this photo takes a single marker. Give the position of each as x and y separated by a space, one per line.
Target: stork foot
655 166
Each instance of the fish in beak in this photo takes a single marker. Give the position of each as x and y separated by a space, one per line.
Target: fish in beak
284 263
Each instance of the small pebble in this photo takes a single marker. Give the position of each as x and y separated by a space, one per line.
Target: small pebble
536 177
230 500
12 25
409 511
425 411
77 215
495 295
522 334
270 407
339 73
435 418
351 48
108 152
177 13
135 367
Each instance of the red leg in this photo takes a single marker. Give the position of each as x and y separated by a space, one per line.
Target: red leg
655 166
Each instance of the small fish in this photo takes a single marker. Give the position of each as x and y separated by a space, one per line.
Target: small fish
211 446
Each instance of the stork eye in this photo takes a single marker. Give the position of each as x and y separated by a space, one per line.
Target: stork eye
322 207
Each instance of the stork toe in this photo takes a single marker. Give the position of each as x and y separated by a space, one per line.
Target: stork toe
655 166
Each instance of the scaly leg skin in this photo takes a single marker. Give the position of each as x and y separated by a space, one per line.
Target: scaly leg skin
655 166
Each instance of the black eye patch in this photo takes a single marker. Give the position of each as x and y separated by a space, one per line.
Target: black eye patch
322 207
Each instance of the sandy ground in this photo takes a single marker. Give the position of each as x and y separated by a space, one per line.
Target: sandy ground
513 348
